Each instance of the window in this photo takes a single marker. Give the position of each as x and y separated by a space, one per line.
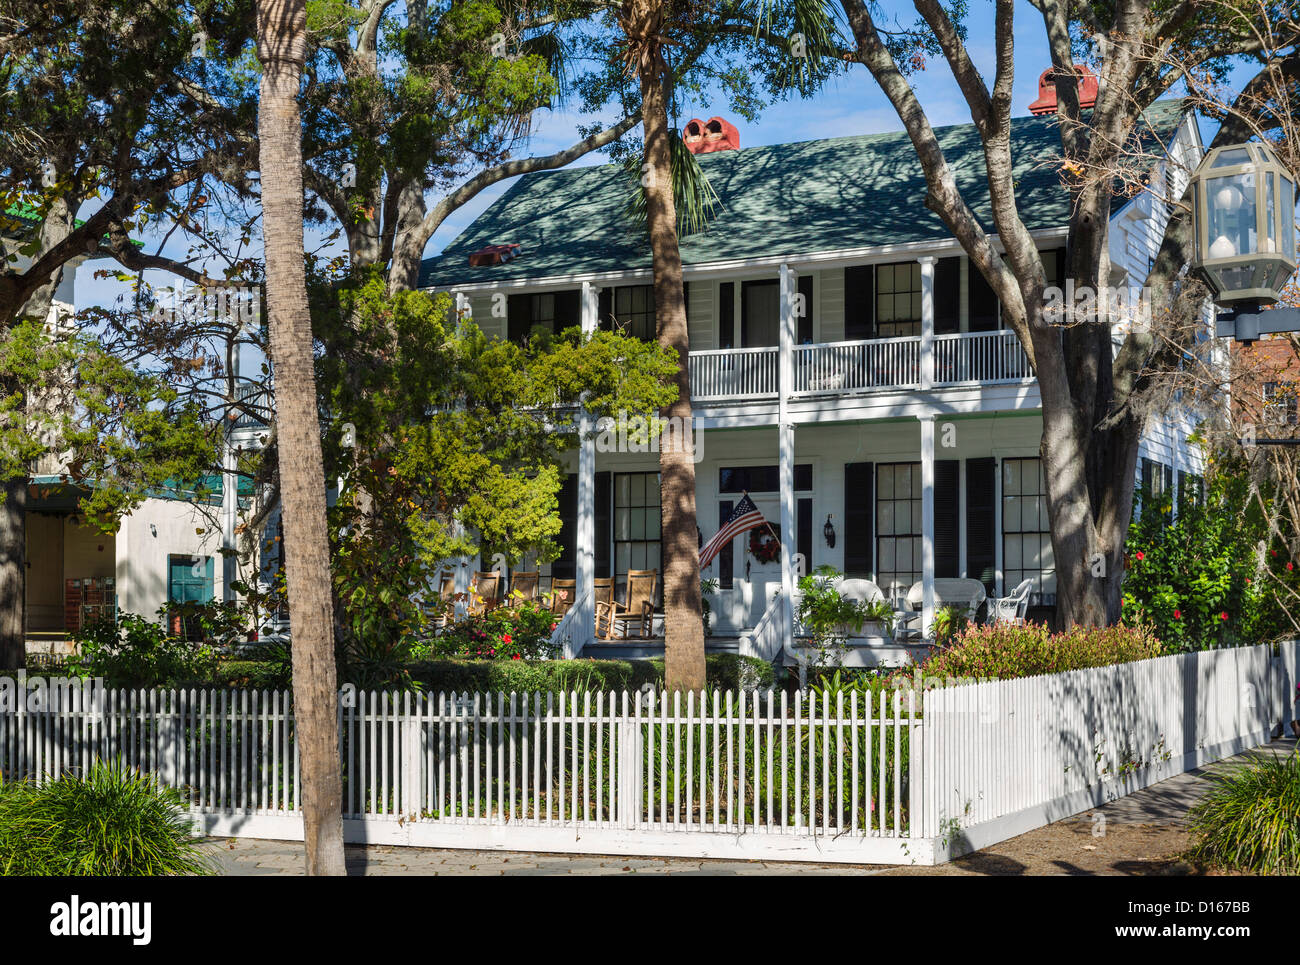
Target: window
1280 404
636 523
190 579
634 311
761 479
898 524
183 586
726 556
898 299
1026 534
760 313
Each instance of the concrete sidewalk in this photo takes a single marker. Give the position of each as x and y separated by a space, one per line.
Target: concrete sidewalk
1143 835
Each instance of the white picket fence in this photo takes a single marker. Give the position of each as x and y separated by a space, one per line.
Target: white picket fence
900 776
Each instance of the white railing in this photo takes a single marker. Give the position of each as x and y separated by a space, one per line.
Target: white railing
980 358
734 373
566 635
836 367
767 638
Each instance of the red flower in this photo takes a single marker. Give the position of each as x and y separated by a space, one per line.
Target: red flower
1274 552
1248 581
1289 567
1139 556
515 657
506 638
1178 614
1223 615
554 625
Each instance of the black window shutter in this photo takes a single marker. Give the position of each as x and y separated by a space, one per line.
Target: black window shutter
804 334
981 484
859 303
1148 474
605 311
1060 268
947 296
568 309
803 532
686 301
727 315
947 518
519 318
983 303
726 556
859 515
566 565
604 496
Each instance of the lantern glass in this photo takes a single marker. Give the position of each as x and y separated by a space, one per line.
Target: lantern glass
1287 207
1232 216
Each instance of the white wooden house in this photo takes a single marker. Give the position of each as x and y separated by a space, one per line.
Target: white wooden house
896 412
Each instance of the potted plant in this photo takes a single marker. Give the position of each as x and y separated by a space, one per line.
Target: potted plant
830 618
707 589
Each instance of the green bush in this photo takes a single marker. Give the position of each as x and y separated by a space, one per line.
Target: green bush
136 652
1250 820
110 822
1196 578
1003 651
725 671
521 632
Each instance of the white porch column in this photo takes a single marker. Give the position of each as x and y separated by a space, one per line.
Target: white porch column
785 429
585 551
927 525
926 359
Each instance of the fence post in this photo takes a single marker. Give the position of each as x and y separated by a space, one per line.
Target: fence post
630 791
410 769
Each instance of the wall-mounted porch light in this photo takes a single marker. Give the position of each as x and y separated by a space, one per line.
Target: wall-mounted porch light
829 532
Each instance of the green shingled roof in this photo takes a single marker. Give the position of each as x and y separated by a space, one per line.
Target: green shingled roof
795 199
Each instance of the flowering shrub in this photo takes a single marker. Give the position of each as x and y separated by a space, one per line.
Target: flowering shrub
520 632
1004 651
1196 579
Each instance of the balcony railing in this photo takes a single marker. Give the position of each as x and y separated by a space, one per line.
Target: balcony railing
734 373
834 367
839 368
980 358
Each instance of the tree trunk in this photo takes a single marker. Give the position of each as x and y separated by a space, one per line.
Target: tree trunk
281 49
13 575
683 619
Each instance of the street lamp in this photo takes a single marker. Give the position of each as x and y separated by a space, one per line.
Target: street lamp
1243 219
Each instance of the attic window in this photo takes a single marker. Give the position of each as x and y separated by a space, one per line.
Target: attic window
494 255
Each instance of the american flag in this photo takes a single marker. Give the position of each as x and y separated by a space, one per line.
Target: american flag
744 517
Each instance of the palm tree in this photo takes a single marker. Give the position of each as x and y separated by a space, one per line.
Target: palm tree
644 23
281 48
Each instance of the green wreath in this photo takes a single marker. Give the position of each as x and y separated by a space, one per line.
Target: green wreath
765 543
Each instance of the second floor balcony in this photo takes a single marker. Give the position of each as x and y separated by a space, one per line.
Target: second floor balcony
857 367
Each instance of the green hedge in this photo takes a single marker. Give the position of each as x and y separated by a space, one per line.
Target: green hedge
725 671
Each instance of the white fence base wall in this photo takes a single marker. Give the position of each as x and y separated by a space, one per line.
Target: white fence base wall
588 841
988 833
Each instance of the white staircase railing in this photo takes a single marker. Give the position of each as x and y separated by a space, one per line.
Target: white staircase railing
767 638
564 635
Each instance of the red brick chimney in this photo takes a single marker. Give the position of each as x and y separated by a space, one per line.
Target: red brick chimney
705 137
1046 103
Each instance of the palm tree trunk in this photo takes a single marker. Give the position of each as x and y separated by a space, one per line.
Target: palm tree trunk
683 621
13 575
281 49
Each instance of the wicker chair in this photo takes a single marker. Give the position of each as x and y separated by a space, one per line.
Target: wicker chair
639 608
486 593
525 586
563 593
